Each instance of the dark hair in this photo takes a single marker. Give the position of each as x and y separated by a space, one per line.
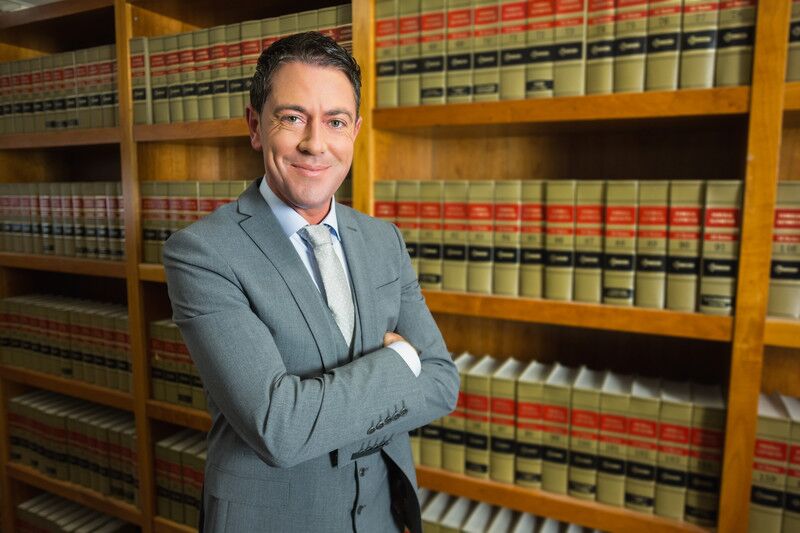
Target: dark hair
311 48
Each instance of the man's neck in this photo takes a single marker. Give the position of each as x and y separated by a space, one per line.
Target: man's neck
312 216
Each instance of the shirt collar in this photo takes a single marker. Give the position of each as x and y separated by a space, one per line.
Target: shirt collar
290 220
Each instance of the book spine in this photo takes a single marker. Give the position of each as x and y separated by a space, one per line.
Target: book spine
430 235
620 243
140 81
698 43
409 61
737 32
486 58
672 474
456 218
204 87
651 244
768 493
532 239
630 46
589 241
555 440
431 444
791 508
433 44
344 26
408 218
477 427
513 48
720 262
793 57
584 430
385 203
459 68
663 45
507 220
503 443
612 451
188 77
569 55
218 66
454 434
642 458
528 464
559 240
158 80
172 63
683 247
541 48
600 47
480 210
784 286
233 67
386 53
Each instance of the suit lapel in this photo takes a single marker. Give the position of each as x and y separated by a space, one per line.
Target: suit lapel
263 228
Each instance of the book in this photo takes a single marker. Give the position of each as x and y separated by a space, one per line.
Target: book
584 433
589 201
433 44
456 515
430 444
791 507
663 45
513 49
507 220
459 67
674 429
251 51
559 239
204 87
770 462
140 81
385 206
434 511
501 521
408 54
531 268
527 522
164 470
477 426
619 266
784 283
503 410
630 52
530 395
556 407
793 56
386 53
541 49
344 26
600 47
698 43
651 244
612 446
408 217
486 54
454 424
683 247
218 68
233 68
430 234
478 520
569 48
737 35
159 86
172 58
640 473
721 222
480 236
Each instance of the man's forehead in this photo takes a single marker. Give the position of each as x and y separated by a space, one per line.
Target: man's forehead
287 90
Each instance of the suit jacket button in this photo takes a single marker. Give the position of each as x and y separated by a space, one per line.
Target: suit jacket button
362 471
396 416
379 425
371 430
403 412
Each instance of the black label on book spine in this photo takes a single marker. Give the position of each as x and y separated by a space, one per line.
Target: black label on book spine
457 62
742 36
683 265
477 442
204 89
410 66
540 54
429 278
767 497
673 478
794 32
432 432
159 93
792 503
640 471
435 92
651 263
720 268
486 59
608 465
583 460
568 51
701 515
554 455
785 270
139 94
236 86
518 56
452 436
506 255
630 46
432 64
532 256
412 248
430 251
557 258
600 49
189 89
219 86
638 500
386 68
539 85
174 91
478 468
588 260
699 40
480 254
503 445
529 451
619 262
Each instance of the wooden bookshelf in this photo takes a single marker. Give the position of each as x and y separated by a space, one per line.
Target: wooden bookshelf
784 333
179 415
75 137
66 265
791 97
70 387
48 12
207 129
163 525
560 507
152 272
76 493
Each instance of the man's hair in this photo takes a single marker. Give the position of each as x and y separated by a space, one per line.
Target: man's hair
311 48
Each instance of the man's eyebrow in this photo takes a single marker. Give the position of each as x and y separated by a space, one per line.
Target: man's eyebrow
339 111
291 107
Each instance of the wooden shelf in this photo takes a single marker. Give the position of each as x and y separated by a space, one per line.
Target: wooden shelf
67 265
179 415
162 525
791 96
612 107
70 387
76 137
152 272
782 332
51 11
187 131
594 316
560 507
76 493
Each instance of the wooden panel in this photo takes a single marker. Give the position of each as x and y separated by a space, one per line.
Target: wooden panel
205 129
781 369
50 11
782 332
790 150
76 137
560 507
209 160
148 272
791 97
163 525
73 163
70 265
60 26
363 168
179 415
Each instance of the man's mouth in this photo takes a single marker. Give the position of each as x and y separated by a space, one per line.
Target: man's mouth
310 170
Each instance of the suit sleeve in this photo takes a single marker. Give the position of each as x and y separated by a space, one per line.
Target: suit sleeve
285 419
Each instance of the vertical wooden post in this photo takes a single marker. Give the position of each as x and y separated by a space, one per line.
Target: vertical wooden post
364 52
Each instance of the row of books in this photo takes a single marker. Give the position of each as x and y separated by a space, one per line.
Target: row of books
650 243
76 339
174 377
443 513
455 51
46 512
77 441
73 219
206 74
180 465
654 446
76 89
168 206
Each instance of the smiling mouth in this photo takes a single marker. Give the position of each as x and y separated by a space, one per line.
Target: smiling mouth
310 170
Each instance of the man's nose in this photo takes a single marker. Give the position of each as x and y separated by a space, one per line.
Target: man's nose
313 141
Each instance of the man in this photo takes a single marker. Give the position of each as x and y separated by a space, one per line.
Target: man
306 322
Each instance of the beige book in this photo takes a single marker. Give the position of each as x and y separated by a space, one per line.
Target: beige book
503 419
326 18
793 57
507 225
480 260
584 434
159 87
193 467
612 447
204 88
737 32
559 239
270 31
46 217
454 424
589 203
555 431
683 247
43 107
456 515
478 429
71 91
600 47
455 235
705 459
663 45
784 285
187 76
699 41
386 53
791 507
233 69
385 198
569 48
619 269
478 520
307 21
434 511
344 26
640 481
433 45
150 203
530 394
541 49
251 50
630 46
32 67
415 440
218 67
460 67
288 24
162 470
408 217
175 452
430 234
109 101
79 205
651 244
513 49
770 462
6 96
532 239
408 53
172 60
674 429
721 221
430 444
486 50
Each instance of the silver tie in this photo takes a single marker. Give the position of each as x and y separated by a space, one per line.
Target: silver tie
340 300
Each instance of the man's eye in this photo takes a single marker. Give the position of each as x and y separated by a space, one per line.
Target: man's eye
291 119
336 123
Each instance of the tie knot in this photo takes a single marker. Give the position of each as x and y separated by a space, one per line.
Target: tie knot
317 235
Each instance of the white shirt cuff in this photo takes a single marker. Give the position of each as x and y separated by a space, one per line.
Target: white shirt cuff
409 355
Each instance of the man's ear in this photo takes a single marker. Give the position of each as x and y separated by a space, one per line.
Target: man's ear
357 128
253 120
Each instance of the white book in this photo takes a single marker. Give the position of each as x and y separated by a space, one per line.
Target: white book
456 515
433 512
502 520
612 447
584 429
640 482
503 420
674 429
530 393
555 434
479 518
526 523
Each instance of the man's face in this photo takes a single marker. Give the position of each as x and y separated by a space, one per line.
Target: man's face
306 132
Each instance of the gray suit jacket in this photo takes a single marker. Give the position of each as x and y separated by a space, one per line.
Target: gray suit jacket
290 409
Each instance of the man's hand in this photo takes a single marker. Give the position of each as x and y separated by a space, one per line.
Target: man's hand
391 337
